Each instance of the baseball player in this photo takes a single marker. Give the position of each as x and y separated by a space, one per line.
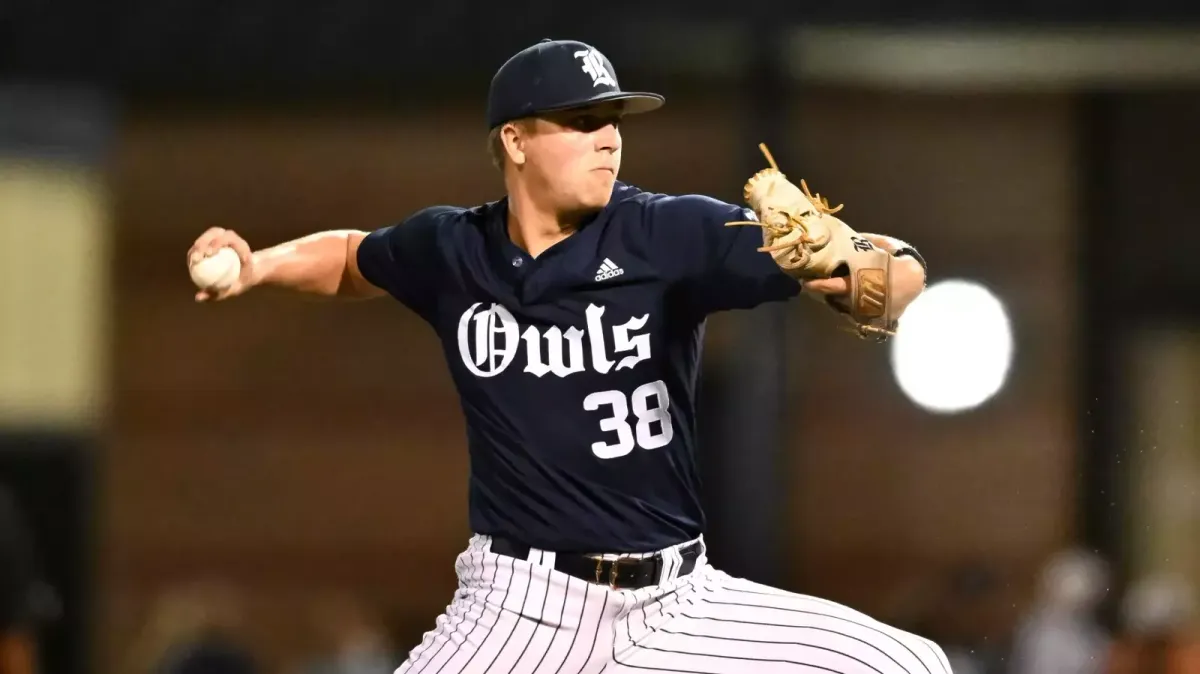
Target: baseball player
571 313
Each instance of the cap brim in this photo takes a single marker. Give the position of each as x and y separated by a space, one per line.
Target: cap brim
635 102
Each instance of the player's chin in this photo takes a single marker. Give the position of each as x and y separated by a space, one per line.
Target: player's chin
599 189
595 203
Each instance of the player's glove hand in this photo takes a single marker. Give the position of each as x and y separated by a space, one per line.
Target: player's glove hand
808 242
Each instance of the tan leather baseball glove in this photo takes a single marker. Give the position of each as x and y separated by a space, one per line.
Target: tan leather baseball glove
807 242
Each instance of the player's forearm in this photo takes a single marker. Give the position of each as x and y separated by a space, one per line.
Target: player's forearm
319 264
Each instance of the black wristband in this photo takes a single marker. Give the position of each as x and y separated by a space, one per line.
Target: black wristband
912 252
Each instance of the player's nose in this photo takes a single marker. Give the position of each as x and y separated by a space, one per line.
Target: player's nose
608 138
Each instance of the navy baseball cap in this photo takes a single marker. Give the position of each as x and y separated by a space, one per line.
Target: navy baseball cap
555 75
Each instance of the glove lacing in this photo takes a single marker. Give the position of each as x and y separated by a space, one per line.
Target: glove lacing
794 221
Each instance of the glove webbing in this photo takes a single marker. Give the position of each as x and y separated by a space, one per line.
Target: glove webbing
794 222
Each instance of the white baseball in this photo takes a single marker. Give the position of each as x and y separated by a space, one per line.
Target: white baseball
217 271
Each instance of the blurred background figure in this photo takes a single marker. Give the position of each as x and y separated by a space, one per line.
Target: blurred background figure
1159 631
351 638
1061 632
966 610
194 629
974 620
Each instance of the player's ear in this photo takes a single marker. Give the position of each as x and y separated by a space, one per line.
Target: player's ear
513 137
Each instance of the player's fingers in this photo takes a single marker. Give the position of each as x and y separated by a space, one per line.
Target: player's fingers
203 296
239 246
214 295
203 244
197 252
226 239
237 288
828 286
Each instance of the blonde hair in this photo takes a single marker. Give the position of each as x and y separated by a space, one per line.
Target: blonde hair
495 146
495 142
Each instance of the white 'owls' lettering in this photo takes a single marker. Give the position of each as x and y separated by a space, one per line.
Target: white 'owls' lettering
624 340
489 359
492 345
600 361
554 351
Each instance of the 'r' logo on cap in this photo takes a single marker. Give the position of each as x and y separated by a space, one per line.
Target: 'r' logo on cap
594 67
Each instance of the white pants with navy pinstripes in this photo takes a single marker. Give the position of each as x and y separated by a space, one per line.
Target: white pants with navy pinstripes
520 616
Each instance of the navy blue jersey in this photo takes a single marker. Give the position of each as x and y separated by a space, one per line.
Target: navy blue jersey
577 369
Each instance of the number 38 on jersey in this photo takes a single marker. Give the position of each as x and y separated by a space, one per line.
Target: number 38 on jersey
489 340
650 405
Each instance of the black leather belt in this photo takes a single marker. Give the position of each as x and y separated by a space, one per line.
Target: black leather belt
625 573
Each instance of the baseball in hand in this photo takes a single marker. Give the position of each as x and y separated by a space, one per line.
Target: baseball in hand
217 271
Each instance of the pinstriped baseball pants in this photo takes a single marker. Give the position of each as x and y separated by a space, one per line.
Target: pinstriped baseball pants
520 616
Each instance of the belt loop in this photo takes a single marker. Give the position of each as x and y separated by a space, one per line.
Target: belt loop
670 565
542 558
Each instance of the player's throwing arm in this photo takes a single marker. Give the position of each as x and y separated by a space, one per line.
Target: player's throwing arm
222 265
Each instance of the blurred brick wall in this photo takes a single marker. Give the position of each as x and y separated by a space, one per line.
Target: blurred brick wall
289 446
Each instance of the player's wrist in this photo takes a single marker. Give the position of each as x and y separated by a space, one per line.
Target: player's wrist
909 251
263 268
898 248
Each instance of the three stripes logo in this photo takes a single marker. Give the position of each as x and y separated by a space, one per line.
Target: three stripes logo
608 269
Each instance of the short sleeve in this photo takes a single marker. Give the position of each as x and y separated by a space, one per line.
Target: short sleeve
719 267
406 261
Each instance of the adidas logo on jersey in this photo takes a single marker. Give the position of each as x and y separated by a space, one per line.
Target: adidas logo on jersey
608 270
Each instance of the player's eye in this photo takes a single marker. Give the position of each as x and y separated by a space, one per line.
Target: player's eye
591 123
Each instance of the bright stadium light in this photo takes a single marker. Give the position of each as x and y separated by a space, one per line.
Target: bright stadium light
954 347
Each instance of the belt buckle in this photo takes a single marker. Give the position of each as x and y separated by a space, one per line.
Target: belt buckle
612 572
